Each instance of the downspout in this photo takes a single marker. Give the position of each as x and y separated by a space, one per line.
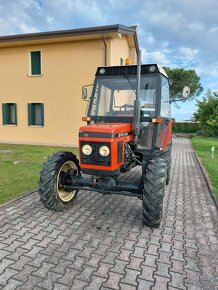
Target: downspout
105 50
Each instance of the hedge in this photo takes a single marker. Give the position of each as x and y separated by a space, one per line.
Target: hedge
185 127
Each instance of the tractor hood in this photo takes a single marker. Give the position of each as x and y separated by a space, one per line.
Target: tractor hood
112 128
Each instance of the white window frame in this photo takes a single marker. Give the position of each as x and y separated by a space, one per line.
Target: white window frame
29 63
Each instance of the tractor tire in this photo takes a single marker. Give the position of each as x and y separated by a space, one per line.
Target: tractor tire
52 196
153 193
167 157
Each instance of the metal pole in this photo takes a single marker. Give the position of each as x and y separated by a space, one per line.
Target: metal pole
136 122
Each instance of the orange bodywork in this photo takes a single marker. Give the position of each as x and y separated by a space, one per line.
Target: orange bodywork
106 133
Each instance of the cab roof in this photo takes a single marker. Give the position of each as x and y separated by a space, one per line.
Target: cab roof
129 70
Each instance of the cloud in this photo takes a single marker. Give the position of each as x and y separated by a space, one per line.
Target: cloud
155 57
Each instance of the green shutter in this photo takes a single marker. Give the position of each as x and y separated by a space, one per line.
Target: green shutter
30 114
42 114
36 62
5 114
15 113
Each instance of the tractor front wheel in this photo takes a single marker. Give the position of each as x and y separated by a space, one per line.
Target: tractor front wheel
52 178
153 193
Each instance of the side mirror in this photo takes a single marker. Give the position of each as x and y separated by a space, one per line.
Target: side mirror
84 94
185 92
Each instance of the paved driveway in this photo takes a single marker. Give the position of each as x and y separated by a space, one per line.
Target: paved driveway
101 244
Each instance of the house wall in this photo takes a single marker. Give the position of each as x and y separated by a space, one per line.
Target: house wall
66 67
116 53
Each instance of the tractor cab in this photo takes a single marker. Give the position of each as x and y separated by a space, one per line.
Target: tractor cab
114 101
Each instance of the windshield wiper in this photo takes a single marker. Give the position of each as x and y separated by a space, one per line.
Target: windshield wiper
125 76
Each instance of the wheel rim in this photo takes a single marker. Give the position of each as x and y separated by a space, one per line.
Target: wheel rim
65 196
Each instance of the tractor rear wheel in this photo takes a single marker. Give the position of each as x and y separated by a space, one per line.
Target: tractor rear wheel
52 178
153 193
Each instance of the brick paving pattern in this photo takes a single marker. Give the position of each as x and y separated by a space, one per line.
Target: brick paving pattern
101 243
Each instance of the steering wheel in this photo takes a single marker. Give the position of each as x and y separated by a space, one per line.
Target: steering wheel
125 107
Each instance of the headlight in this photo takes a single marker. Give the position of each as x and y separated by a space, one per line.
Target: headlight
104 151
86 149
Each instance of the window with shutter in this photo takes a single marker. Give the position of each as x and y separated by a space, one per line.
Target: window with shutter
9 111
35 63
36 114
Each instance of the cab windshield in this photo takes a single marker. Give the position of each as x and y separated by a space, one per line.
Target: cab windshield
115 96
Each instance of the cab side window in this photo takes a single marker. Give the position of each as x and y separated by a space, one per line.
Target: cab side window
165 104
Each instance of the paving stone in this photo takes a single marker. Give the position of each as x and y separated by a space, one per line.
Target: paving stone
150 260
50 279
86 273
45 242
110 257
37 261
104 269
25 273
124 255
13 246
78 285
55 257
138 252
178 255
178 267
193 277
31 283
96 283
177 280
166 247
6 275
164 257
68 276
61 266
4 264
21 263
12 284
44 269
33 252
17 254
113 281
130 277
78 263
3 254
147 273
144 284
162 270
135 263
160 283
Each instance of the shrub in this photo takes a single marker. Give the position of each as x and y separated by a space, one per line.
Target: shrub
185 127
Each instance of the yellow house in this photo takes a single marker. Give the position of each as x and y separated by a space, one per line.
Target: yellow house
42 74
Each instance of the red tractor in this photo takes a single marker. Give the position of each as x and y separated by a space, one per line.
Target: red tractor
128 124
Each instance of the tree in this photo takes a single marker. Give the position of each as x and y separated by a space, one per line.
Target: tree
180 78
207 113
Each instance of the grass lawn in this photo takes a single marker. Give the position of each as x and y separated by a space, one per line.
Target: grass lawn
203 149
20 166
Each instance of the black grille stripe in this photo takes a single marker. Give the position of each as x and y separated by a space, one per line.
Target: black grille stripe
103 135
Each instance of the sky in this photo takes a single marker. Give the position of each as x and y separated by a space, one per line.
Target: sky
173 33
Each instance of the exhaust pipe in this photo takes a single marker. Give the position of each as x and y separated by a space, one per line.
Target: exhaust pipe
136 119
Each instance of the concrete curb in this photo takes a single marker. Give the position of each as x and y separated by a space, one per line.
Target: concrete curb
18 198
209 185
